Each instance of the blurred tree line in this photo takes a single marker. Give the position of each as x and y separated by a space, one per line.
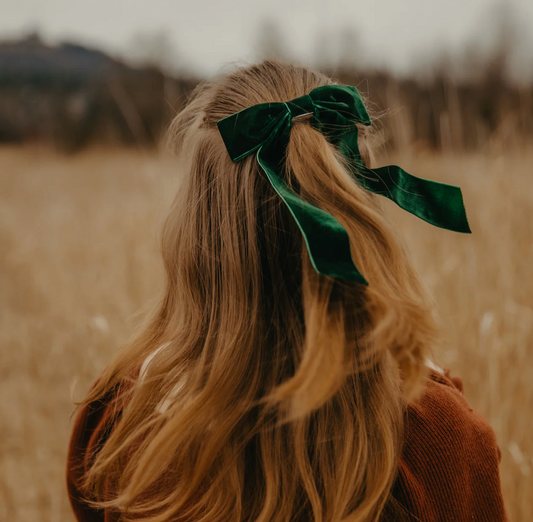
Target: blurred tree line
446 115
71 96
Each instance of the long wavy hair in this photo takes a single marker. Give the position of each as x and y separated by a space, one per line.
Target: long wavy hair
276 394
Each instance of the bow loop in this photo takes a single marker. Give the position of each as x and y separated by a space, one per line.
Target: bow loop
342 101
245 131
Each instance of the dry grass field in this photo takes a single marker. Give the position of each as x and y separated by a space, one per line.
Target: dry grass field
78 260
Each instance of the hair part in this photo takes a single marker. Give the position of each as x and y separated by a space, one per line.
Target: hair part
279 395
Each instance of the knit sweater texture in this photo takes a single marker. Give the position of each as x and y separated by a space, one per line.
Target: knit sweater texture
448 470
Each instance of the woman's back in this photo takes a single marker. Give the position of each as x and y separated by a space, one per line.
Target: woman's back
448 470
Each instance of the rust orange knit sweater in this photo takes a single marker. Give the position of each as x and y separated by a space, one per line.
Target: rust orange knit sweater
448 470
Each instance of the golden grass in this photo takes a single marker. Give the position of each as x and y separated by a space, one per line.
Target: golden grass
78 243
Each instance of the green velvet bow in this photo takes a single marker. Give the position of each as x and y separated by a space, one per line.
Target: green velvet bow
334 110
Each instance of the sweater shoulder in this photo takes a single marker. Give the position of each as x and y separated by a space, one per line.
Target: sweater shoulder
449 464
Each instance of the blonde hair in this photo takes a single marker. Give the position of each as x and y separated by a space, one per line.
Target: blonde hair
283 389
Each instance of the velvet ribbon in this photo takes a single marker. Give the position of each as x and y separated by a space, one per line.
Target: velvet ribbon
334 110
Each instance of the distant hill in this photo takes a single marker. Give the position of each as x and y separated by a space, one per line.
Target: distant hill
71 96
31 59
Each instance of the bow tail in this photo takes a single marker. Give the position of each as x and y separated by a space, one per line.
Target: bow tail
327 241
436 203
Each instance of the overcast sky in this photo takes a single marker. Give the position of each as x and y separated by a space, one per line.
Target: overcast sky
206 34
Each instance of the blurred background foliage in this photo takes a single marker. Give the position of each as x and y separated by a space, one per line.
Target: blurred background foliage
72 96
